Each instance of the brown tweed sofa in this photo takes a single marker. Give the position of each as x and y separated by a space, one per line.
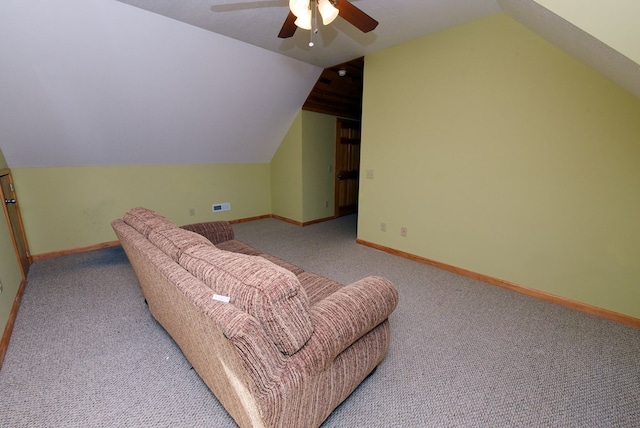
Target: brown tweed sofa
287 348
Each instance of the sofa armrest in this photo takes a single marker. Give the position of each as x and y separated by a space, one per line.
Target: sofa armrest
345 316
214 231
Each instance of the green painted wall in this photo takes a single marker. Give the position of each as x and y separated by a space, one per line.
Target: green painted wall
318 158
302 169
503 155
286 174
71 207
10 274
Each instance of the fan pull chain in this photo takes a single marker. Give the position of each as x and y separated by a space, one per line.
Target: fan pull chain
313 4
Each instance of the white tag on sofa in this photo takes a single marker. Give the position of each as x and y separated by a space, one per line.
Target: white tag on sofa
224 299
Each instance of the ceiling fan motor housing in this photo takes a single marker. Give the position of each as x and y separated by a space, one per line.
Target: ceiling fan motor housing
300 15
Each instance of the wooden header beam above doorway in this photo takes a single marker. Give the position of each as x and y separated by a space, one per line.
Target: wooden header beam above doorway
338 95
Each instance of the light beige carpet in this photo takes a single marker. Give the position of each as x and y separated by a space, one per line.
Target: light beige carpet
86 353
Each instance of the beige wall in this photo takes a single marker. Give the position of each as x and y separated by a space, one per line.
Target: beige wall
503 155
318 148
286 174
72 207
302 169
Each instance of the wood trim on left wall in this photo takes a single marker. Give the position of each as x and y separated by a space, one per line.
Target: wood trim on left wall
53 254
8 329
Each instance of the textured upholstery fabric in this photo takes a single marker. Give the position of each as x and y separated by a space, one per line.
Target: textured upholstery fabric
317 287
271 294
175 241
296 270
144 220
236 246
214 231
288 348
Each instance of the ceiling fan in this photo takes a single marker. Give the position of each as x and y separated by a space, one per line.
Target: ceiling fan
304 14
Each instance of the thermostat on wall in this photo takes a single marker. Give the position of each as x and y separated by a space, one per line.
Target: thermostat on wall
221 207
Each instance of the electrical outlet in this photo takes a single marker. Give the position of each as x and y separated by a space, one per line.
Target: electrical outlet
192 211
326 204
370 174
383 227
403 231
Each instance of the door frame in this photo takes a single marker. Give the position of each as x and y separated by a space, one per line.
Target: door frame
336 190
18 234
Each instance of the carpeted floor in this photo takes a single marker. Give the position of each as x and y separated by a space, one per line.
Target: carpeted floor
86 353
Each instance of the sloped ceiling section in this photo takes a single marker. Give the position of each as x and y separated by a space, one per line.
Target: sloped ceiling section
576 42
258 22
106 82
99 82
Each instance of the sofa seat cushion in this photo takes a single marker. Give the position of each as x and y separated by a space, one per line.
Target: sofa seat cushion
236 246
145 220
296 270
317 287
215 231
271 294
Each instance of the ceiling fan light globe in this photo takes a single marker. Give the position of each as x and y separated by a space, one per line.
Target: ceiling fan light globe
328 11
304 22
299 8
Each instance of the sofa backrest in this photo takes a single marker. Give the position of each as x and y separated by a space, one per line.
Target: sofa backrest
271 294
144 220
163 233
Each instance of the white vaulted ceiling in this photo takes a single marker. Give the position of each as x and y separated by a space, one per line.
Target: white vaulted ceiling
258 22
104 82
98 82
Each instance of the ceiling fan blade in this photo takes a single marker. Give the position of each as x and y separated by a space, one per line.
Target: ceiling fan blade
289 27
355 16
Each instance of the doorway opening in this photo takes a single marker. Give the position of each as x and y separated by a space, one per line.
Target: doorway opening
338 92
347 168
